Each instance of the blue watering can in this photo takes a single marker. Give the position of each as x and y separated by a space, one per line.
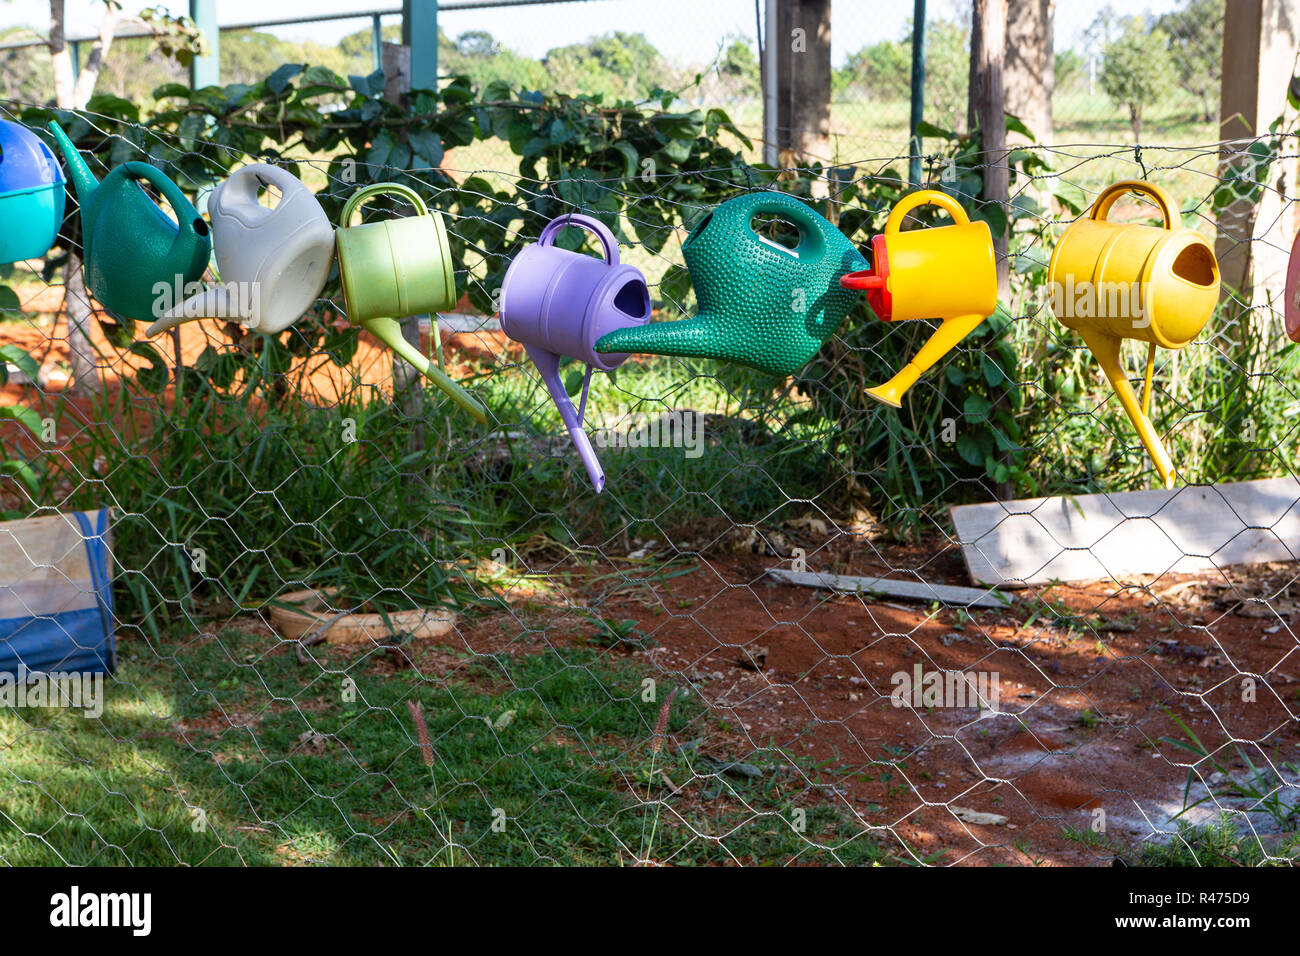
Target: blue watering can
31 194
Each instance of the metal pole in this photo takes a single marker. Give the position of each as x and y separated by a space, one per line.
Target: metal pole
918 91
206 71
420 33
76 59
770 47
377 40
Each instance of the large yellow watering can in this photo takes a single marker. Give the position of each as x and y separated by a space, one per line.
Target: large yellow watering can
947 272
1112 281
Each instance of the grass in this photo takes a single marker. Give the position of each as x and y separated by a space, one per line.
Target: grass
287 769
1211 845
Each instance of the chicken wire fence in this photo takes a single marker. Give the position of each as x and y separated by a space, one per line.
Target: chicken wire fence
354 626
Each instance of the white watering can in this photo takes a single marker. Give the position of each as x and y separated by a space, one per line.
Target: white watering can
273 262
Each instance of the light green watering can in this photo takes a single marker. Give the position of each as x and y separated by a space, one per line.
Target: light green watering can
132 249
400 267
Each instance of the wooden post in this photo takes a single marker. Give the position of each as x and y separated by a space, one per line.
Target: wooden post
987 113
1031 64
803 63
1259 54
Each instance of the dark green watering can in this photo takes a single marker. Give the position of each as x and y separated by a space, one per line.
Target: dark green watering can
761 304
131 248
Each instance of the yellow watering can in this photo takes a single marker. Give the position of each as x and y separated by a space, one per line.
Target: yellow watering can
1112 281
947 272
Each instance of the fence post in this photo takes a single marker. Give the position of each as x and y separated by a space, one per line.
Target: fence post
377 40
803 87
771 42
1259 43
988 114
918 91
420 33
206 70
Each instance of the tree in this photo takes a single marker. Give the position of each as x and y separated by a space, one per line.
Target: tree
883 70
70 93
740 63
947 71
1136 69
1196 47
1030 69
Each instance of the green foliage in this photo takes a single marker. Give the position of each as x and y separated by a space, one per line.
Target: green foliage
1195 32
614 66
883 70
1137 69
14 463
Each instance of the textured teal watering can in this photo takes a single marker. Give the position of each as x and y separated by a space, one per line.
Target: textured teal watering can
135 256
761 304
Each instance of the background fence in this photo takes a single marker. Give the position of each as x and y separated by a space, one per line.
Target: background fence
618 678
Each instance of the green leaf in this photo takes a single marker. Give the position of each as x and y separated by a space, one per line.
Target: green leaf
278 81
930 131
1016 125
976 407
992 372
969 450
573 380
13 355
29 418
154 378
21 470
427 145
1071 197
631 158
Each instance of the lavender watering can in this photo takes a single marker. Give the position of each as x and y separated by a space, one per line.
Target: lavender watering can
557 303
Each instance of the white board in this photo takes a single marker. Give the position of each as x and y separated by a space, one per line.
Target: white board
893 587
1123 535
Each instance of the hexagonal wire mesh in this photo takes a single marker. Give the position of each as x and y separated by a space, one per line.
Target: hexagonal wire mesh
354 627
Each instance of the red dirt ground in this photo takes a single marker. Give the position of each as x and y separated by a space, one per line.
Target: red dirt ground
808 673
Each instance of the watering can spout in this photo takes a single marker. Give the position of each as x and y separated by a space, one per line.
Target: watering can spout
1106 348
83 180
389 331
216 302
687 337
548 366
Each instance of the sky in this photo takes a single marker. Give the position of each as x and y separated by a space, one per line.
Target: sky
687 31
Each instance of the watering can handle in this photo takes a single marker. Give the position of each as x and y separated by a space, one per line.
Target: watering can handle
1111 193
260 175
376 189
787 207
170 191
925 197
595 226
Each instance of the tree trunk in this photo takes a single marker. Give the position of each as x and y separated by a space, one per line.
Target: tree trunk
86 377
987 113
1135 121
1031 65
75 94
803 63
